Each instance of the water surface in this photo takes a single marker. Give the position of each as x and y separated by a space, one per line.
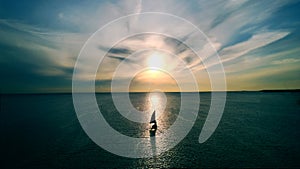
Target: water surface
258 129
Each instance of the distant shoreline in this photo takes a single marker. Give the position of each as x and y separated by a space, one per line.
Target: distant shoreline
237 91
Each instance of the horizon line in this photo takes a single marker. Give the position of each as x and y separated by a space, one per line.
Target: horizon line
263 90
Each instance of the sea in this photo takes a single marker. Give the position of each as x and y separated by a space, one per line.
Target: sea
257 130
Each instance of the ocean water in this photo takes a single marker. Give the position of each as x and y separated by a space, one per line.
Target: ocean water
258 129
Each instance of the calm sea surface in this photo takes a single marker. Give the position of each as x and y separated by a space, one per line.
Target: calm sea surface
258 129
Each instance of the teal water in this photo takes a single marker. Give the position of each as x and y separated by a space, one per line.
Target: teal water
257 130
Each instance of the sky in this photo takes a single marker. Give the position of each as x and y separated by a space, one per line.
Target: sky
257 42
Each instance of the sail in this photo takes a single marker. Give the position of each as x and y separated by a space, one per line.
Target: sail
152 120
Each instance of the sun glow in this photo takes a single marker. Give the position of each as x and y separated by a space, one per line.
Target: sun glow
156 61
153 73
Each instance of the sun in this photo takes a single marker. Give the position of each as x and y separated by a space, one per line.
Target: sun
156 61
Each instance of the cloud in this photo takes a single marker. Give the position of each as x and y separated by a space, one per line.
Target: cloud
138 8
230 16
241 31
236 51
123 51
255 42
35 56
241 19
285 61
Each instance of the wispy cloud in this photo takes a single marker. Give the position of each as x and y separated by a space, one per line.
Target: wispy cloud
243 33
36 56
285 61
255 42
225 24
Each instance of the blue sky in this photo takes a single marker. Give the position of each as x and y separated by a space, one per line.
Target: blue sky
257 41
